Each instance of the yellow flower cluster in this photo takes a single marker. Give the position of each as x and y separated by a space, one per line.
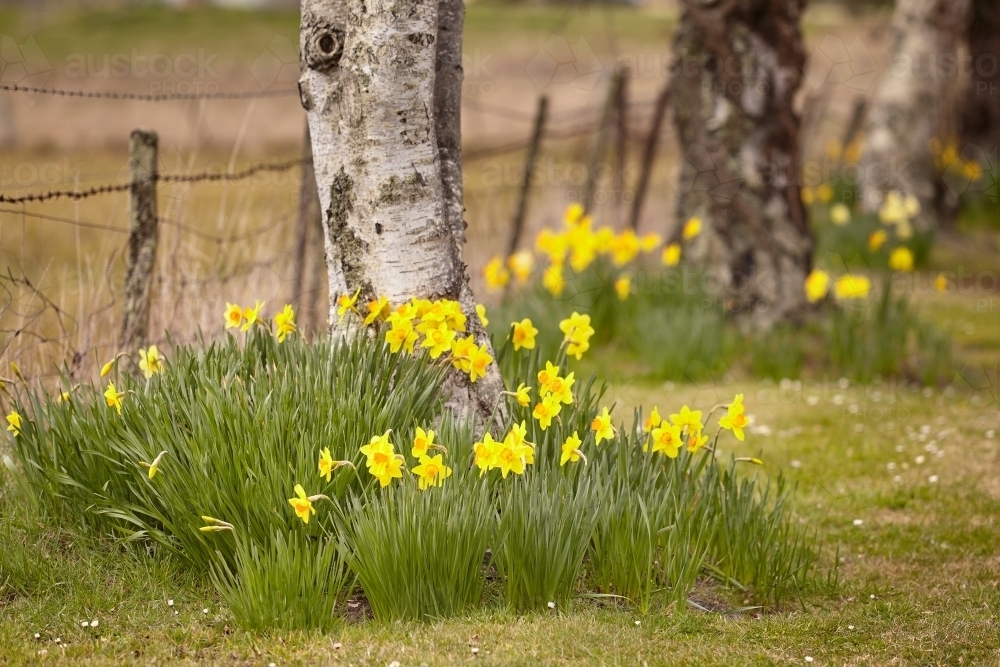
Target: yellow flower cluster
385 464
510 455
246 318
685 428
432 325
847 286
576 334
554 391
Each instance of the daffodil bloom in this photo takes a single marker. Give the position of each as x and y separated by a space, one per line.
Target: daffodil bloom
667 439
623 287
63 397
486 453
523 395
602 428
696 441
392 470
14 423
345 303
840 214
403 315
302 504
509 459
941 283
901 259
153 467
877 239
233 316
692 228
252 315
401 336
114 397
570 450
560 388
652 421
461 352
496 274
671 255
106 368
545 410
523 334
521 265
577 332
326 464
518 433
377 310
431 472
553 281
422 442
439 340
824 193
150 361
379 451
817 285
481 312
479 361
554 246
624 248
284 323
851 286
735 420
573 214
687 419
650 242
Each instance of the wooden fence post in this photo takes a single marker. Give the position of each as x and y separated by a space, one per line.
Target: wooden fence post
648 155
529 168
140 257
602 135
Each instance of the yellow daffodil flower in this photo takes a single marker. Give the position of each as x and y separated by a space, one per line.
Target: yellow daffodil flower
877 239
652 421
479 361
667 439
521 265
623 287
901 259
624 248
671 255
523 395
114 397
431 472
553 281
401 336
696 441
302 504
571 450
439 340
602 428
327 465
496 274
735 420
106 368
851 286
377 310
486 453
509 459
577 332
392 470
691 229
650 242
153 467
284 323
481 312
379 451
523 334
840 214
545 410
462 350
422 442
252 315
817 285
573 214
233 315
14 423
150 361
687 419
345 303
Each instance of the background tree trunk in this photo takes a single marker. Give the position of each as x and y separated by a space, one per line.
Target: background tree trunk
737 65
911 106
381 86
979 121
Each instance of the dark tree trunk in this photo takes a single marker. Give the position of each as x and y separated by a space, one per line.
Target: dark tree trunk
737 66
979 121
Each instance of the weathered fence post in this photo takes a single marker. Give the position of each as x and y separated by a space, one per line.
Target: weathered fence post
649 153
140 256
529 168
602 135
307 217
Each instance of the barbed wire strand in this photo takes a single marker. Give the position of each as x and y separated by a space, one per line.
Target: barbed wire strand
149 97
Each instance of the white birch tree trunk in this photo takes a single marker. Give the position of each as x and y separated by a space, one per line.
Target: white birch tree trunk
381 85
910 103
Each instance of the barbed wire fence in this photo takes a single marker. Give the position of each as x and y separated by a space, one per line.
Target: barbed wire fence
31 319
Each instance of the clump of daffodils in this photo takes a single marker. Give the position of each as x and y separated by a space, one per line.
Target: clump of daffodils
247 318
436 326
686 428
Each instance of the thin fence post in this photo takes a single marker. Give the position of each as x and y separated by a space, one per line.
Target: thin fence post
649 155
140 257
529 168
306 217
602 135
